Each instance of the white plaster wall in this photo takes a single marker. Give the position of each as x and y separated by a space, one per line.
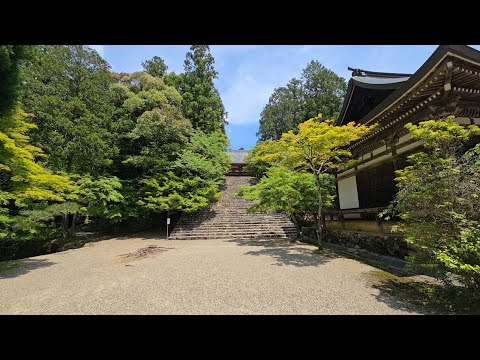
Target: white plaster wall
346 172
409 147
379 150
347 193
462 120
375 161
404 138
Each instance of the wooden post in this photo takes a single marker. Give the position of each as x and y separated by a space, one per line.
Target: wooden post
342 218
379 222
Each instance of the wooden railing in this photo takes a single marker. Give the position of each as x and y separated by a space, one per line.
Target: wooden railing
340 214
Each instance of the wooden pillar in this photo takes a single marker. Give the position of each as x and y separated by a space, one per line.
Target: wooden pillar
337 198
379 223
342 219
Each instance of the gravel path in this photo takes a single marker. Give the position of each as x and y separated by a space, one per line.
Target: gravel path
148 275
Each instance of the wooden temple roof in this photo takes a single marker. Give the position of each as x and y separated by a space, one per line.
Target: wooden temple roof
448 83
237 156
367 89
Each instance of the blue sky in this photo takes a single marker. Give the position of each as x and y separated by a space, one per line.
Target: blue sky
248 74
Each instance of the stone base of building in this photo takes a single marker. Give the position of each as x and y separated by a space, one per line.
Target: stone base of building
385 244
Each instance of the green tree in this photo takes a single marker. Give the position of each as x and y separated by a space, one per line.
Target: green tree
318 148
24 183
99 197
155 66
261 157
67 89
438 201
175 80
292 192
324 91
318 90
152 130
284 111
195 177
202 103
11 57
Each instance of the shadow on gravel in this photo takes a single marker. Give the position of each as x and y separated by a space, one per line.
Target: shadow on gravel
430 297
14 268
143 235
284 252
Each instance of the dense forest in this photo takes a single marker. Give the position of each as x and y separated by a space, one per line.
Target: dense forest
81 146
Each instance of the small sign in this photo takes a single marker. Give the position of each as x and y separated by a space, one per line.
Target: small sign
168 221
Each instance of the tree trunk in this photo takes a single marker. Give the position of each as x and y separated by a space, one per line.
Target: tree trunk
74 223
319 214
65 225
295 222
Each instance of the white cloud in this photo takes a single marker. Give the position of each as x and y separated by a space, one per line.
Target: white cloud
245 99
100 49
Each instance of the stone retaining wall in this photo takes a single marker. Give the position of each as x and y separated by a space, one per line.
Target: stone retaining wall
380 243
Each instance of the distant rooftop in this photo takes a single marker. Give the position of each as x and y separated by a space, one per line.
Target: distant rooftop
237 156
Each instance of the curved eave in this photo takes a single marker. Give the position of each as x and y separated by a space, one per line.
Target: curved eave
371 83
429 66
387 111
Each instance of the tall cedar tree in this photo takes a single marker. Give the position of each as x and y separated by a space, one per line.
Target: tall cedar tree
201 101
155 66
319 90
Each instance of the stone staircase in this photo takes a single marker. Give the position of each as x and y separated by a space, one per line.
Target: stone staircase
227 219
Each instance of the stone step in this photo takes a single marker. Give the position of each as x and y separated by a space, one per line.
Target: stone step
227 219
235 226
247 236
187 233
242 226
232 214
234 221
238 216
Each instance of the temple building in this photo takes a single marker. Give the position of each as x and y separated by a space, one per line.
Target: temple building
448 83
238 161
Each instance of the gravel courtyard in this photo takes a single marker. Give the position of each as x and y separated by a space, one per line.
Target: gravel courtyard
149 275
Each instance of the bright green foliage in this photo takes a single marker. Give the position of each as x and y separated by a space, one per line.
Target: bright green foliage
99 197
318 147
124 141
205 156
155 67
151 129
438 202
262 156
202 103
24 183
319 90
177 168
195 177
292 192
159 135
169 193
67 89
24 178
40 221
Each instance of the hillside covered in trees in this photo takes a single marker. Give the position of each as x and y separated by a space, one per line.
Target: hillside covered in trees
81 145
